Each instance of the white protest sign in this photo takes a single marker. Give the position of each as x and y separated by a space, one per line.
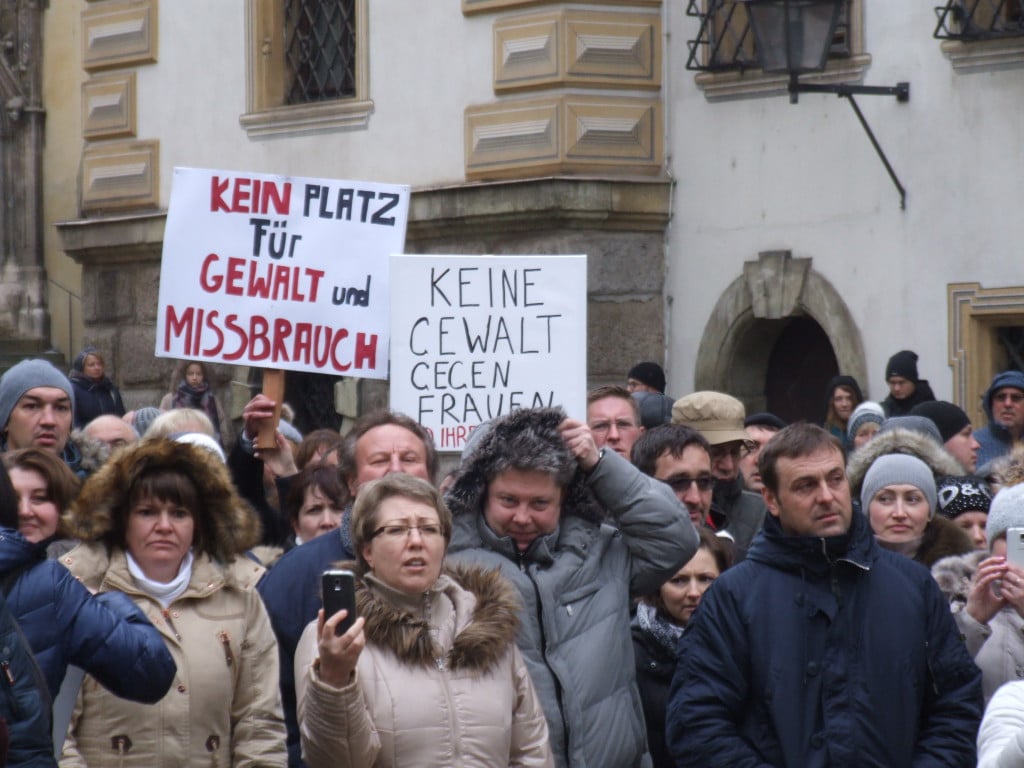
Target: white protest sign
477 337
279 271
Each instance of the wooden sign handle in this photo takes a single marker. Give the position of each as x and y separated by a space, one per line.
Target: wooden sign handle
273 387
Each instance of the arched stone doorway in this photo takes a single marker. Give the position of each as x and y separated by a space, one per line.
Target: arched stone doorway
776 336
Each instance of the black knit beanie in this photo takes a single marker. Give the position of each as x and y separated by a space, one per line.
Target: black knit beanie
949 418
902 364
650 374
962 493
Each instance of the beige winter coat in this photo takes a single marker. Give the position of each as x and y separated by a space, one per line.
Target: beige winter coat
224 708
440 683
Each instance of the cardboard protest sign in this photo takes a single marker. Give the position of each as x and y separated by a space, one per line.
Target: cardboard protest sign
279 272
476 337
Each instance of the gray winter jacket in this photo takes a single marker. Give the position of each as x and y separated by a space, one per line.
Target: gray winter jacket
576 584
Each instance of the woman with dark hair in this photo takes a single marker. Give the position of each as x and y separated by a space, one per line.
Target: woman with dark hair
842 396
162 523
191 388
659 623
45 487
63 625
429 674
316 502
95 393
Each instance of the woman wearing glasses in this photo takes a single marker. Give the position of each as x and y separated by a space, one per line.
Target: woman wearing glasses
429 674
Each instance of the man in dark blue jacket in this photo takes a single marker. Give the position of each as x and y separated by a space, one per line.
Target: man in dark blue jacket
821 649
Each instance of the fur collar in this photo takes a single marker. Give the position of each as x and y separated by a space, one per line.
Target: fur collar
942 538
905 441
955 574
482 637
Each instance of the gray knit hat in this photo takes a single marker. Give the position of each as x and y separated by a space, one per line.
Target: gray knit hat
898 469
1007 511
919 424
26 375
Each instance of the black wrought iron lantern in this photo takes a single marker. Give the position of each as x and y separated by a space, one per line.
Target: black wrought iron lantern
793 36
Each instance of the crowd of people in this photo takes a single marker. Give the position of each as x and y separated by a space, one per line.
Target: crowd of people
665 582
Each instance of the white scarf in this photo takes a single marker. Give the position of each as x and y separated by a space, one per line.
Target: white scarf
167 593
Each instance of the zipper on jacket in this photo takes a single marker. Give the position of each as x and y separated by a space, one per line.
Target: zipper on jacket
931 672
8 675
544 654
170 624
225 641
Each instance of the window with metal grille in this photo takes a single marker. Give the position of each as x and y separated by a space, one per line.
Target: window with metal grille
725 41
320 50
979 19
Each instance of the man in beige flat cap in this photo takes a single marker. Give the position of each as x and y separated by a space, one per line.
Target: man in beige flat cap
719 418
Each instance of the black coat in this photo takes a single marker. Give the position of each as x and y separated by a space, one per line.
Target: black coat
823 652
655 666
94 398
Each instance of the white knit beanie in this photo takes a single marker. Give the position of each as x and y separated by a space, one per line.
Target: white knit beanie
1006 511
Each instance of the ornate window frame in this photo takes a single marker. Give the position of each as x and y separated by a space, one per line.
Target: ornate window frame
266 113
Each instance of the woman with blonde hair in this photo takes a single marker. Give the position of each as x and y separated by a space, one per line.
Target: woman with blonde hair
162 523
448 635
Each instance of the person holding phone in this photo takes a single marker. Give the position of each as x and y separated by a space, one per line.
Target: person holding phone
446 634
986 592
162 523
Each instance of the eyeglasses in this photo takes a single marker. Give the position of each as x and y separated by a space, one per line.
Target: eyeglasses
1013 397
396 531
682 483
621 425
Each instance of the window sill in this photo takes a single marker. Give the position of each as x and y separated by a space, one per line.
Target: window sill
308 118
720 86
984 55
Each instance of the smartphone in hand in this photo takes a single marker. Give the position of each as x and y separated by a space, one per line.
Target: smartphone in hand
338 590
1015 546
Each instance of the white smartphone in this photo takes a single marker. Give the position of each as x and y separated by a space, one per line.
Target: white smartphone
1015 546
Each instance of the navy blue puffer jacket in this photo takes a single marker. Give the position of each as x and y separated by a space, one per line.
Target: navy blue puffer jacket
823 652
107 636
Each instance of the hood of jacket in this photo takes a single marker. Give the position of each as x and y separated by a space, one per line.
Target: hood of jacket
226 523
814 554
900 440
1005 379
479 644
528 440
842 381
955 575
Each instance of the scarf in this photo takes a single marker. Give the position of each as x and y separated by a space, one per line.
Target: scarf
664 632
201 398
167 593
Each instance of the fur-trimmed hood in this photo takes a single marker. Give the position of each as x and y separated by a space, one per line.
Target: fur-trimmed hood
527 439
225 523
954 575
482 639
900 440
